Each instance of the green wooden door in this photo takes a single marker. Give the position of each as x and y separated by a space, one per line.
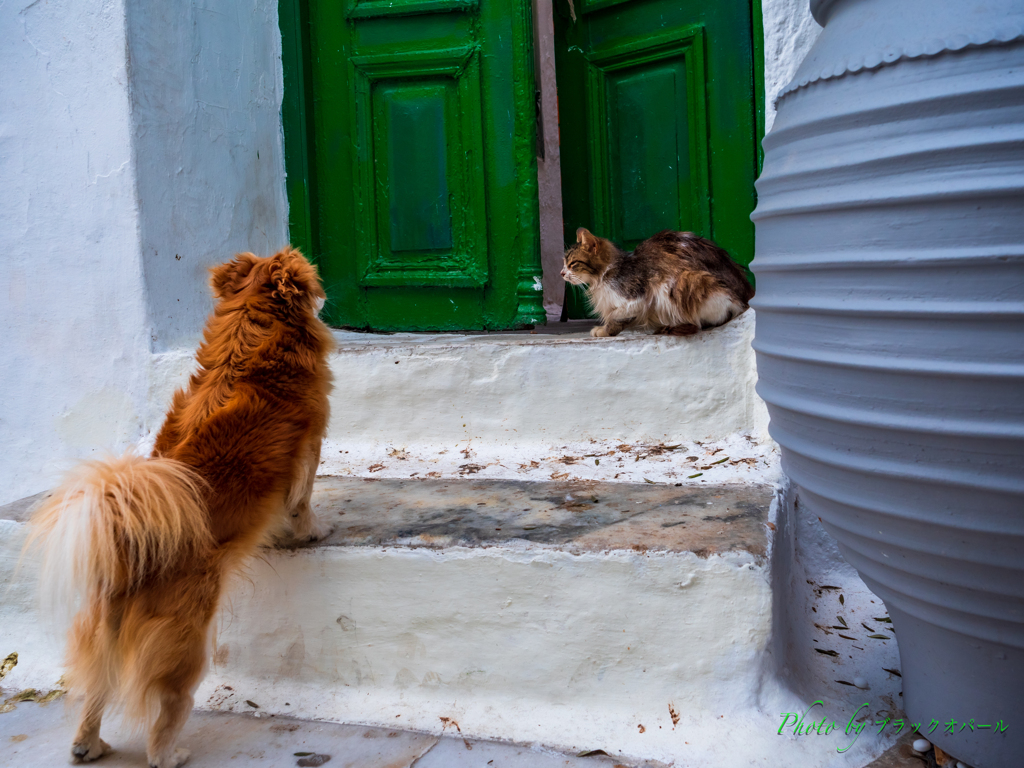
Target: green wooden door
416 192
658 115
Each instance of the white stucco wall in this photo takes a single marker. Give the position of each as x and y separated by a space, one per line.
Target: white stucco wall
789 33
130 135
206 106
73 313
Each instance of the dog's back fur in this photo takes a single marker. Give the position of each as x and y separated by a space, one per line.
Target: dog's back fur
142 547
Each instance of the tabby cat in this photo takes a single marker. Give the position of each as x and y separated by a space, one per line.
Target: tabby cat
674 282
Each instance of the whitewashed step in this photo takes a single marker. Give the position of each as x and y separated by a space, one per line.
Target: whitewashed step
630 618
518 394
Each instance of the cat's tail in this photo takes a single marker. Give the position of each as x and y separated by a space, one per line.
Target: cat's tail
114 523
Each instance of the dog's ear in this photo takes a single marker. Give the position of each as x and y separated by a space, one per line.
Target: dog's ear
227 279
292 276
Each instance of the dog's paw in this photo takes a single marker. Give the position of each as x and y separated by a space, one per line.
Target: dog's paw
175 760
307 528
84 752
599 331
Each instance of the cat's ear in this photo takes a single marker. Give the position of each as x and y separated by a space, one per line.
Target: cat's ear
586 240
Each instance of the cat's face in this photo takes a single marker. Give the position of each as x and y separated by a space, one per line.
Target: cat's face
583 264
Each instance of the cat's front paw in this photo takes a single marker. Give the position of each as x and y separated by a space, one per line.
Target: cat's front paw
599 331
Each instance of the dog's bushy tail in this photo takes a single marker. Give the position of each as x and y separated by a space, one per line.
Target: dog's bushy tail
112 525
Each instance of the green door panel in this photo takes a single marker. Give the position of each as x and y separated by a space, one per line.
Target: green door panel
421 196
649 139
417 178
423 219
658 120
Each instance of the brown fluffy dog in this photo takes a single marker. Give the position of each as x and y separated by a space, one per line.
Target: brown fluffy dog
143 546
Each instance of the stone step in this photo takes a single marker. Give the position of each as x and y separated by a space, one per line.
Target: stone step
575 616
564 516
631 618
511 395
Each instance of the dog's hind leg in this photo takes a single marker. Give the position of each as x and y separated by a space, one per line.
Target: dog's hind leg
89 646
306 524
182 661
175 707
174 664
88 745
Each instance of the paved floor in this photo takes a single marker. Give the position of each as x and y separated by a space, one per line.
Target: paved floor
36 735
902 755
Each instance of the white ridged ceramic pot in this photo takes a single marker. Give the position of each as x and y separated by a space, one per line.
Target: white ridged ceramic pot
890 335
